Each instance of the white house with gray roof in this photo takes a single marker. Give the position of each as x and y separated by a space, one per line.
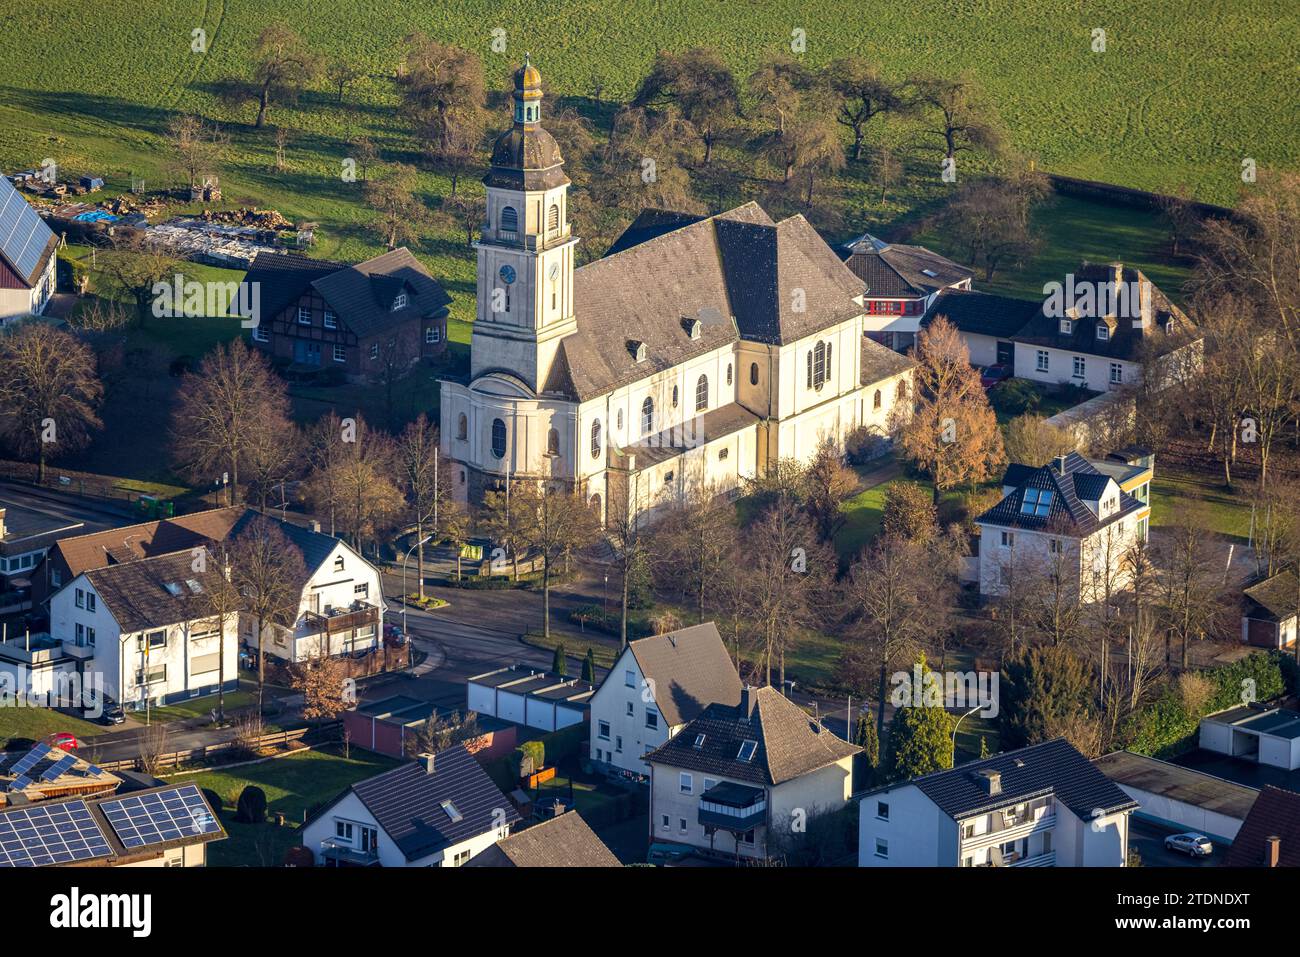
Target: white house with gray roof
697 351
27 259
656 686
1041 806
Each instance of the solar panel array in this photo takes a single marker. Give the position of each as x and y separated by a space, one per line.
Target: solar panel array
59 767
29 760
141 820
23 236
43 836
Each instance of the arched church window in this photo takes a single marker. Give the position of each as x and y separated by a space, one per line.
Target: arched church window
674 397
819 360
462 427
875 400
553 442
702 394
902 389
753 373
595 439
728 373
553 218
620 420
498 438
647 416
509 220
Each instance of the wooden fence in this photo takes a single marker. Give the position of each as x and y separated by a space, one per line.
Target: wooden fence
171 759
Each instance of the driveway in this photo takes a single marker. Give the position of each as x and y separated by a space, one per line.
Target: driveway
1148 839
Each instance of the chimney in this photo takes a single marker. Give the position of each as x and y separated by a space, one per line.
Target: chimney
427 758
555 809
1060 465
3 530
1146 316
1272 850
748 698
313 525
989 781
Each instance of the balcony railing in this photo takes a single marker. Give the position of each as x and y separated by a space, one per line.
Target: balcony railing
337 853
1010 832
340 619
714 814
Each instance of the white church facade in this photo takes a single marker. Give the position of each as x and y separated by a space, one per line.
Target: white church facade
698 350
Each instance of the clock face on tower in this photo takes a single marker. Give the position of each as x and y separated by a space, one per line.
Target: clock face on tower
554 271
507 274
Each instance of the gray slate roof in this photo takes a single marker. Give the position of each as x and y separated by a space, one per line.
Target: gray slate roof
26 243
983 313
1053 767
879 362
1067 511
282 278
363 294
689 668
407 802
137 594
564 841
895 271
1273 599
737 273
790 743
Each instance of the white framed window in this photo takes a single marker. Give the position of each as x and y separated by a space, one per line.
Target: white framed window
1103 331
681 824
1067 326
90 601
1043 360
595 439
1116 372
882 848
651 719
81 598
304 315
882 811
340 354
1008 539
433 335
399 301
1080 367
343 831
260 333
330 319
602 730
685 783
618 744
631 709
666 824
629 679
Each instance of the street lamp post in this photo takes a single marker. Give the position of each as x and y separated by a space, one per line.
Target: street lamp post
404 560
956 727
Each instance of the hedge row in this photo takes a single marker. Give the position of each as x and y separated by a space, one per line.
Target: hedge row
1166 727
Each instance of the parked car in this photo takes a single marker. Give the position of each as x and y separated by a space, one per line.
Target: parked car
394 637
65 740
1191 844
992 375
105 711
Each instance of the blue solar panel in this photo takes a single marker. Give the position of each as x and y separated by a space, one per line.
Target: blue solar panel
141 820
30 759
59 767
23 236
20 782
53 834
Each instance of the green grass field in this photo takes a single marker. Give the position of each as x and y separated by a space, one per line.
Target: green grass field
38 723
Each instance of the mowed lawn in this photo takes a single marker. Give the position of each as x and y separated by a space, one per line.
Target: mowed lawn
19 724
1175 492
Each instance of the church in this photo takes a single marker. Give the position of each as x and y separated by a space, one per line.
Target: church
698 351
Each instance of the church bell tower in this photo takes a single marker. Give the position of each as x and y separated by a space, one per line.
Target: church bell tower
525 254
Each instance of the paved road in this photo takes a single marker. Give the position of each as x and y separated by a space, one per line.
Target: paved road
96 514
1148 839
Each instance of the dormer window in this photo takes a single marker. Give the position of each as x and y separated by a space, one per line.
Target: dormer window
1103 331
399 302
1037 502
695 328
639 351
1067 327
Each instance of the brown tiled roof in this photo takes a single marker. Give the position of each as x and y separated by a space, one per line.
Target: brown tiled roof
564 841
152 592
689 670
714 424
362 295
790 743
891 271
1273 599
1276 814
98 549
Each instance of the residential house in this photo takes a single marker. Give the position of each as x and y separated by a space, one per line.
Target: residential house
1066 519
26 534
698 350
561 841
1270 836
1041 806
166 826
657 686
902 282
1098 347
27 256
438 811
739 780
147 631
363 320
1268 615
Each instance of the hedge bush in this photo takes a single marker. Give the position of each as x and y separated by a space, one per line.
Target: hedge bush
251 808
1166 728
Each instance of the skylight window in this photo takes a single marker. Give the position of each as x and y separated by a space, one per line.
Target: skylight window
193 585
699 741
452 813
1037 502
929 272
173 588
747 749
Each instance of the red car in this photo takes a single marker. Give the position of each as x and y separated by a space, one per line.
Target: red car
992 375
65 740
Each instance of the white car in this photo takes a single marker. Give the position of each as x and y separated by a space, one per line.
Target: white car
1193 845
